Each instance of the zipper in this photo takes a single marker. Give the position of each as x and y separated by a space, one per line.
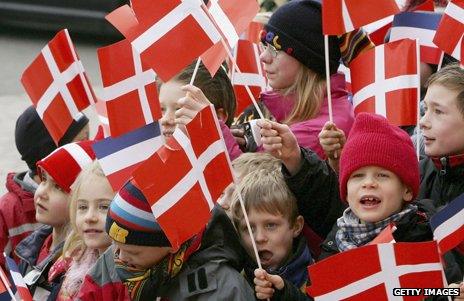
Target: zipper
443 162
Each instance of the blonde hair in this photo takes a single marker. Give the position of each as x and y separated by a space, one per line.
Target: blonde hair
74 245
309 88
248 162
265 191
452 77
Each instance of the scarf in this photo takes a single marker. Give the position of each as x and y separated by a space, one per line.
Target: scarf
352 233
144 284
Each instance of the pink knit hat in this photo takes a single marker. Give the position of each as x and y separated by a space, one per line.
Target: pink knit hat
374 141
65 163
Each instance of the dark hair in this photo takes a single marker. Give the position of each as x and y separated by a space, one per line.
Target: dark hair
217 89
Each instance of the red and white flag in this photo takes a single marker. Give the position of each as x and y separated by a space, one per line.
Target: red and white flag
384 267
247 57
170 33
450 31
384 81
57 85
232 17
102 114
18 280
130 90
190 173
341 16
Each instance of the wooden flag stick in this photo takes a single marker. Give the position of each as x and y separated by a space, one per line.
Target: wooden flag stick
195 71
418 132
441 60
327 76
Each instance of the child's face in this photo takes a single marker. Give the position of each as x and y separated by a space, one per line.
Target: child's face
375 193
273 235
281 70
93 200
51 202
443 122
141 257
170 92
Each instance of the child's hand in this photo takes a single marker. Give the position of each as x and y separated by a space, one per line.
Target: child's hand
280 142
461 290
332 140
265 284
193 102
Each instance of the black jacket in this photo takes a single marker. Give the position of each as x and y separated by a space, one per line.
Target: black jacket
441 180
315 187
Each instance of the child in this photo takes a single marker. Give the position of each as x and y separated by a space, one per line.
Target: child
90 200
443 130
276 226
39 250
217 89
379 178
17 212
142 265
295 68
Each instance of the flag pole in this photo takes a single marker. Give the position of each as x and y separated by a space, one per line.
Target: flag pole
5 282
195 71
327 76
418 132
234 63
441 60
234 178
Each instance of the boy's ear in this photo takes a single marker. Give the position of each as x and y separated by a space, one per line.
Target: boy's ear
222 114
298 226
407 194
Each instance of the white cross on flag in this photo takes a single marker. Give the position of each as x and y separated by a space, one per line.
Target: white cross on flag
170 33
384 81
246 54
372 272
129 88
341 16
57 85
184 179
450 31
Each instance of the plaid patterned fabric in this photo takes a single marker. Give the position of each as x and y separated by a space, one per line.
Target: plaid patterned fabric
353 234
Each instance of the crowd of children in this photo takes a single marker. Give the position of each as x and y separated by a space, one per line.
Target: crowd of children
312 189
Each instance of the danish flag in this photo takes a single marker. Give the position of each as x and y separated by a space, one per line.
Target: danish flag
451 29
170 33
384 267
247 56
129 88
232 17
384 81
57 85
341 16
184 179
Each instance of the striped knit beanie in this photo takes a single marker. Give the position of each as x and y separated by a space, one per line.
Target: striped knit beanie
131 221
373 141
65 163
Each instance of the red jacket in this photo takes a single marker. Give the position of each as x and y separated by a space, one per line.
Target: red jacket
17 214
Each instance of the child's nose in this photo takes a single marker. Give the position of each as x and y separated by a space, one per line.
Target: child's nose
41 191
369 181
91 216
260 236
265 57
424 121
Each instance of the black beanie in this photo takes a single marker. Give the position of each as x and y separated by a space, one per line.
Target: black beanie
296 28
33 140
76 126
